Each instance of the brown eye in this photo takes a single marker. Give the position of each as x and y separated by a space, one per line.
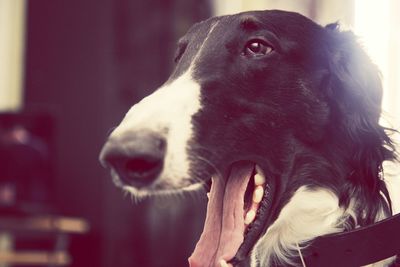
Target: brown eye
257 48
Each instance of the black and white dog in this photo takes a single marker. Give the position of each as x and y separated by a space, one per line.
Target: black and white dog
281 115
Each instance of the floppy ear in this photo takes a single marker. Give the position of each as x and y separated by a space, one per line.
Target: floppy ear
355 90
357 77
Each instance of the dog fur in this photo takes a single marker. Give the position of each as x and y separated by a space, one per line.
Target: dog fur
306 110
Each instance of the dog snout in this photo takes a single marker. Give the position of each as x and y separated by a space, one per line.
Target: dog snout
137 158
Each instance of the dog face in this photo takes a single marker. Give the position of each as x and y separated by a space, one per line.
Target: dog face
264 95
230 92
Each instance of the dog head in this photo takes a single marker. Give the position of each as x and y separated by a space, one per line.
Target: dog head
266 95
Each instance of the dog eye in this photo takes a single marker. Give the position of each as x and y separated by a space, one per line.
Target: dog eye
257 48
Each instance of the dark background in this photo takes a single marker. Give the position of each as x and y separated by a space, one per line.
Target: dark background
87 62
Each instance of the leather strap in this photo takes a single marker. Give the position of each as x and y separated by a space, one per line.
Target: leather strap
358 247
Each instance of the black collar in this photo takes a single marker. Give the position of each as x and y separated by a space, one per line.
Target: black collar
358 247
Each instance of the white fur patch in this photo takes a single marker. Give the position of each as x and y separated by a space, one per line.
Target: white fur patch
168 111
309 213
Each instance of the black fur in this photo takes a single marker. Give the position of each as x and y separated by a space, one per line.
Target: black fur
307 113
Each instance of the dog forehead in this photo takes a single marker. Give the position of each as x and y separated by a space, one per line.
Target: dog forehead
191 43
209 38
282 23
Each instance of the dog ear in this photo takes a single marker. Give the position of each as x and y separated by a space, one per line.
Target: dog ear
356 78
355 92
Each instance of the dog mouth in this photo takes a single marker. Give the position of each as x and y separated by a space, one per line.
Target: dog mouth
236 216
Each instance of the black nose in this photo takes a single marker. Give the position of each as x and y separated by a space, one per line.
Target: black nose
136 157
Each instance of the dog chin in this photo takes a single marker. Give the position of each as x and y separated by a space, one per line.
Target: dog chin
161 189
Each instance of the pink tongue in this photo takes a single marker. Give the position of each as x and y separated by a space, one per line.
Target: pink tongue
224 226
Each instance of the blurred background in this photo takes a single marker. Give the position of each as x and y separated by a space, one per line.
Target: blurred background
69 70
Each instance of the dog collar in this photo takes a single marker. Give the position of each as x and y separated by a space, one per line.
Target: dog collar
362 246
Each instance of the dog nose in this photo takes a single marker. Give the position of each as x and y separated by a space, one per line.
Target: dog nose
137 158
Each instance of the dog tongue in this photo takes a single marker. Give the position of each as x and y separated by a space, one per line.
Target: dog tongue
224 225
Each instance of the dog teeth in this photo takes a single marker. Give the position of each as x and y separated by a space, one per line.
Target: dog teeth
250 216
259 177
258 194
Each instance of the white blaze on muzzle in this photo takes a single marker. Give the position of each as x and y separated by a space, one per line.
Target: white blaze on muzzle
168 112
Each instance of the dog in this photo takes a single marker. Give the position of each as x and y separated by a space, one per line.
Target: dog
281 116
